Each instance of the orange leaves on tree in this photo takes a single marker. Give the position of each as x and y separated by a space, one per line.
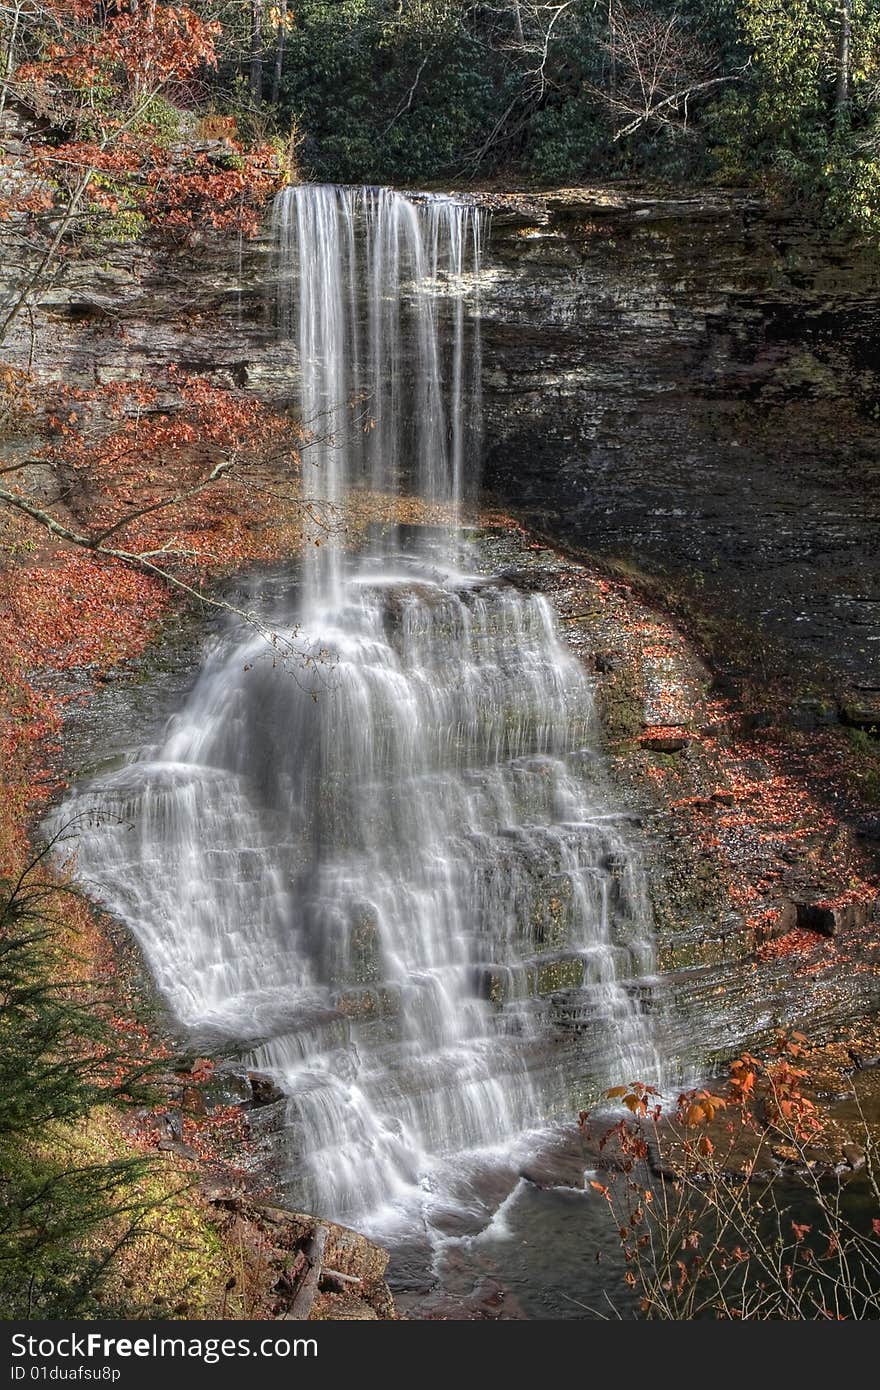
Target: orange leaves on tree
179 194
70 611
635 1097
114 152
179 483
699 1107
184 196
137 468
793 1044
142 49
84 612
743 1074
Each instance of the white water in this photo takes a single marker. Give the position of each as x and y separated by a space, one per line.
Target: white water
408 896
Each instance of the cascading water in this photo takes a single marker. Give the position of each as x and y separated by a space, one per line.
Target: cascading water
405 891
359 274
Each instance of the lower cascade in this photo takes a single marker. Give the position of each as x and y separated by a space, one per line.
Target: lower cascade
394 876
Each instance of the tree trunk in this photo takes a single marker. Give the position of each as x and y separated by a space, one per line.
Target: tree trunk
301 1306
279 53
844 47
518 24
612 44
256 74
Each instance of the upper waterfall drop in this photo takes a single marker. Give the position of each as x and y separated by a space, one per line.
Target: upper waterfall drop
411 897
389 403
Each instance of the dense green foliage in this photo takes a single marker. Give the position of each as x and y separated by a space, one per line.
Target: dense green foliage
66 1207
735 91
789 120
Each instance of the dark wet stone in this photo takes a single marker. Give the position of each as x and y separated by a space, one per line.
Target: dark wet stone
855 1157
263 1089
666 742
830 918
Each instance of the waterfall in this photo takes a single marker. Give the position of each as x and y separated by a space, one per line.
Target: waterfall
405 890
358 278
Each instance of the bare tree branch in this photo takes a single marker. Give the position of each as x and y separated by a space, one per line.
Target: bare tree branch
656 112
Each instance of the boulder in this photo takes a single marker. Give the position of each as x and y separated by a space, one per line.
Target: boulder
264 1089
860 709
192 1100
177 1147
855 1157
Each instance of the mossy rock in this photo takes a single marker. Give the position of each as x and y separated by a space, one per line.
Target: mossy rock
621 698
551 919
499 983
364 947
367 1003
552 975
702 947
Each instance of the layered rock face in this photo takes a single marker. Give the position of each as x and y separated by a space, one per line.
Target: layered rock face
692 387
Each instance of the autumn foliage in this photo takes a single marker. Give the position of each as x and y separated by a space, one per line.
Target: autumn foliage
109 154
729 1203
182 479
